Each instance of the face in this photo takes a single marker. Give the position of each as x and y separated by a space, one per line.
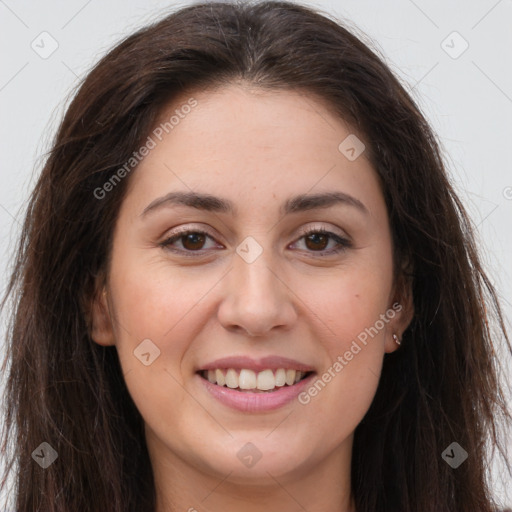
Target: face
285 266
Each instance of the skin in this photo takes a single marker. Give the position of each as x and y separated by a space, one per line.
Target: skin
255 148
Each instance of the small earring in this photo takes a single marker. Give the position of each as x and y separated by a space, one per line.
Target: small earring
396 339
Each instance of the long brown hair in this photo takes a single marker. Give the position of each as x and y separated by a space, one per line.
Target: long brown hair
440 387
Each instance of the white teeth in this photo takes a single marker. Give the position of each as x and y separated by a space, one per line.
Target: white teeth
266 380
280 377
219 377
290 377
245 379
231 379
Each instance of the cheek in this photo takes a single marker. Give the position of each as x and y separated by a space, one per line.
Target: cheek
155 302
350 302
160 316
351 308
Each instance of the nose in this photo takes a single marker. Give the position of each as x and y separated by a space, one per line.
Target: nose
256 298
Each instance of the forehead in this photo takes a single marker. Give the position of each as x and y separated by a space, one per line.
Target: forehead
242 142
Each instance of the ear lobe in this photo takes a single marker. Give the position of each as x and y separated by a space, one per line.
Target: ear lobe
101 323
407 312
403 305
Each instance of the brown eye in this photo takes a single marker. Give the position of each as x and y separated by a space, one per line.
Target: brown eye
317 241
193 241
190 241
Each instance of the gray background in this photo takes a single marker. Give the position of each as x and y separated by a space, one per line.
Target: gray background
466 95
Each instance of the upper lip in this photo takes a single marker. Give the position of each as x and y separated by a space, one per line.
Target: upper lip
257 365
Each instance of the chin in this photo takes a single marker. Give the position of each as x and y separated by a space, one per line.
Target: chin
257 465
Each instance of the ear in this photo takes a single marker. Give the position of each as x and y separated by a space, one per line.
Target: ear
101 321
402 303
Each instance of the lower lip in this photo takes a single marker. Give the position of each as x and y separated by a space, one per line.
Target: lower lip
256 402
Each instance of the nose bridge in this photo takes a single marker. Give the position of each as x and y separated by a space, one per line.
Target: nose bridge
255 278
253 261
256 300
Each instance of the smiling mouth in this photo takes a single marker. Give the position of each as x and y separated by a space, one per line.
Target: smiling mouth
249 381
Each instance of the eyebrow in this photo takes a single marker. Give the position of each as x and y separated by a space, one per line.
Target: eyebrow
299 203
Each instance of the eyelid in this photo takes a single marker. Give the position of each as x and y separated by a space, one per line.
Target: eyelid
195 228
304 230
341 238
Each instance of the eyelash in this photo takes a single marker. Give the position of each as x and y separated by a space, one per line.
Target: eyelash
344 244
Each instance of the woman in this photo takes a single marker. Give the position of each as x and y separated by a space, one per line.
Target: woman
244 279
